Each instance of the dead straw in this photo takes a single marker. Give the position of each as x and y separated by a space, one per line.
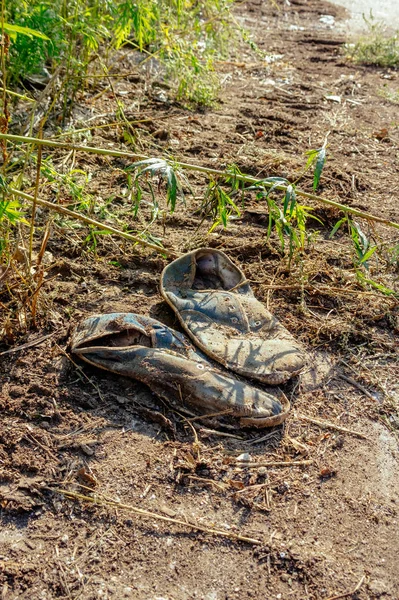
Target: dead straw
151 515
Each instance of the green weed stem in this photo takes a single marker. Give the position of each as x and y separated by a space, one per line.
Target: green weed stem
197 168
74 215
32 222
20 96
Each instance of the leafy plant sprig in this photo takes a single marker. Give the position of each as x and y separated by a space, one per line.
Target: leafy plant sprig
286 215
361 243
317 157
165 171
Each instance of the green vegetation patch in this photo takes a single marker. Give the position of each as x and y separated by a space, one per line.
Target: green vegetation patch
185 37
376 48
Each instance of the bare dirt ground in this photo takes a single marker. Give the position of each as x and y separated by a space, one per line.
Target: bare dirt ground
328 526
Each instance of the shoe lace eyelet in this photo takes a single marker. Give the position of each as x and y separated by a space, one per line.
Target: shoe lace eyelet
199 366
257 323
234 320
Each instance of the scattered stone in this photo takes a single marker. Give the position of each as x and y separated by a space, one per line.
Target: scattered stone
245 457
378 588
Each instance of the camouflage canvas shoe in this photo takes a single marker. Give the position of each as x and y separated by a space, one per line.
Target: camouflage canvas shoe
216 307
166 361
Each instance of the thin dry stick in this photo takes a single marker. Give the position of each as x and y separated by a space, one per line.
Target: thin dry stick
152 515
36 342
217 485
263 438
256 487
328 425
81 371
357 385
199 169
293 463
217 433
196 443
79 217
346 594
313 288
31 438
105 125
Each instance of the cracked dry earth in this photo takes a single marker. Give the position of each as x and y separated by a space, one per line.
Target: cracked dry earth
327 524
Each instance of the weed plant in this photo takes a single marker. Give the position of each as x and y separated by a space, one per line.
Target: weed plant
376 48
184 37
58 45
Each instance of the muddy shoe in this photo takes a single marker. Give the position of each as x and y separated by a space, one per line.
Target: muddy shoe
165 360
216 307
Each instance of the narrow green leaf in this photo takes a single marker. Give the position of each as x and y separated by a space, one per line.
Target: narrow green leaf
293 202
172 188
147 161
14 29
378 286
337 226
158 166
287 198
368 255
276 180
312 154
137 201
321 159
280 235
362 237
227 200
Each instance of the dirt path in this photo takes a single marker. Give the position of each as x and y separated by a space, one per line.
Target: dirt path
327 529
386 12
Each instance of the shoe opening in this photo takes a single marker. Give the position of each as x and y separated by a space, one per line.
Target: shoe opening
119 339
214 272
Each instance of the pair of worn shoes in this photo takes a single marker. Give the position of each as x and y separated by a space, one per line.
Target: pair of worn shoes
235 332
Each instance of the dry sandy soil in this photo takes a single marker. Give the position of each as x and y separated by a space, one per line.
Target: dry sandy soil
326 527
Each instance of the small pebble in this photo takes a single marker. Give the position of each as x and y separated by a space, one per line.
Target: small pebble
244 457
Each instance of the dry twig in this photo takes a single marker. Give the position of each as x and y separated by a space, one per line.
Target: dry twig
328 425
357 385
216 484
346 594
156 516
289 463
35 342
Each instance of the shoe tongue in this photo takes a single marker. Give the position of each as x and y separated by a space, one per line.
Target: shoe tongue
162 337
